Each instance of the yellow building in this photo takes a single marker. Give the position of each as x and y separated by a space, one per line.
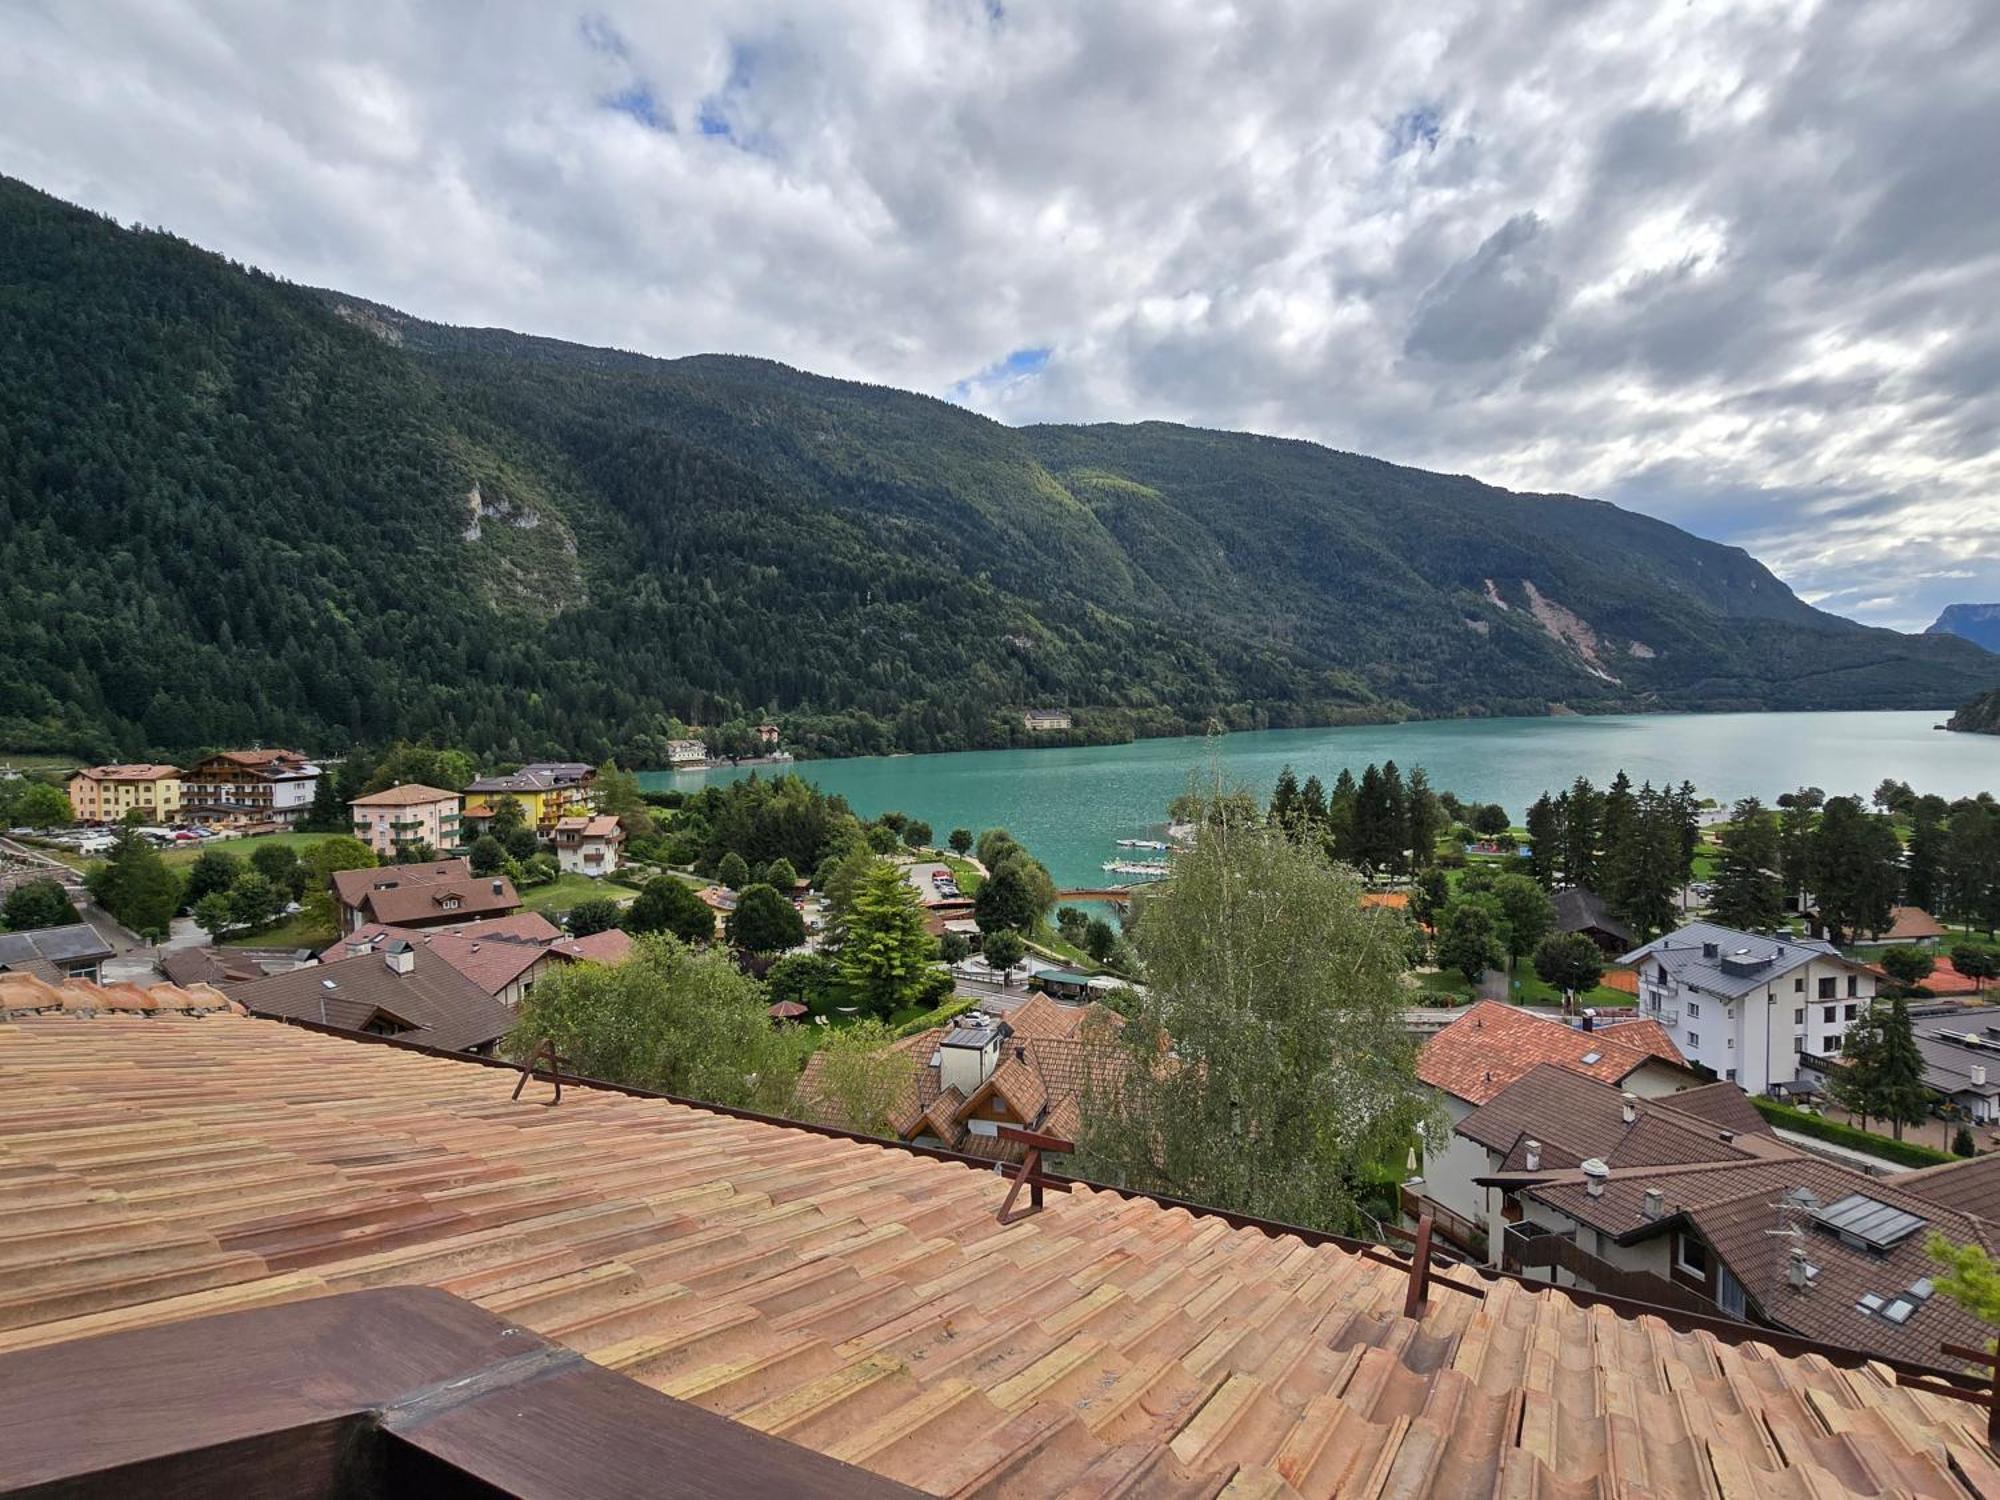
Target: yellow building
105 794
547 791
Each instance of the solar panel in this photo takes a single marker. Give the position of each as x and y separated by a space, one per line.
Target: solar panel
1869 1221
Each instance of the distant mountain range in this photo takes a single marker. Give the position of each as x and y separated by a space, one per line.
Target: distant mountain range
233 509
1978 623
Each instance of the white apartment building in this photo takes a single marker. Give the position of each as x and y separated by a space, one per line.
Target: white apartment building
1749 1007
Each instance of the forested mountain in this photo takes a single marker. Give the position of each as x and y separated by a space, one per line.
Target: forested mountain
1978 623
1980 716
236 509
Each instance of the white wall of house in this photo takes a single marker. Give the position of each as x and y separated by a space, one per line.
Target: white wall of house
1755 1040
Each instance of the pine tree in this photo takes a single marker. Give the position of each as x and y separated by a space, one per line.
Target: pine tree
1545 840
1900 1095
1582 810
1426 820
1748 895
1858 860
1285 802
1923 869
885 951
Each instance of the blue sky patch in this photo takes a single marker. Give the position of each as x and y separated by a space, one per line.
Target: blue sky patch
638 102
1022 364
1414 129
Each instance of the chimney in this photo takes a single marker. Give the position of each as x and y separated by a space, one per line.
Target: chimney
1711 950
1629 1106
1534 1150
400 957
1728 1136
1656 1203
1799 1272
497 886
1979 1075
1594 1173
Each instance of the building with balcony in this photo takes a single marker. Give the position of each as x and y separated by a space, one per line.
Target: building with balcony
250 786
410 816
546 792
1747 1008
105 794
588 846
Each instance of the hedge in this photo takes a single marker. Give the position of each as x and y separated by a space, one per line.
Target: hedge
1909 1153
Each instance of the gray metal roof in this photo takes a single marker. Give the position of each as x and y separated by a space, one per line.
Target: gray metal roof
1723 961
79 940
1949 1058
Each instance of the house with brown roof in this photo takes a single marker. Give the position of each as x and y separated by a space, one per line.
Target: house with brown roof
504 957
184 1186
441 894
1909 926
238 787
411 816
588 845
1492 1044
1026 1069
1691 1199
402 989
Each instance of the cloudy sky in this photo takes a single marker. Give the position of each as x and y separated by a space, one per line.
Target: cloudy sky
1736 265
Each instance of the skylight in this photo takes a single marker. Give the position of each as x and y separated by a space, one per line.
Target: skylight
1592 1057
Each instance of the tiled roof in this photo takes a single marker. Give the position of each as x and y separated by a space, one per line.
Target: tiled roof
524 926
448 1009
410 794
214 966
611 946
457 900
1491 1045
862 1301
349 886
1641 1032
1585 1118
1910 924
23 995
1971 1186
140 772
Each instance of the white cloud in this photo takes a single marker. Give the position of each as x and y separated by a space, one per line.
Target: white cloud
1734 265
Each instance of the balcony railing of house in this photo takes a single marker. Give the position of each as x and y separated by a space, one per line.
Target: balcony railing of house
1529 1246
1467 1236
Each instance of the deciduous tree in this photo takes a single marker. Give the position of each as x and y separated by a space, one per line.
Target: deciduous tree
669 904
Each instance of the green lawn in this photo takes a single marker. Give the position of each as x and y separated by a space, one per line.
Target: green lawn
1532 990
180 856
294 932
566 891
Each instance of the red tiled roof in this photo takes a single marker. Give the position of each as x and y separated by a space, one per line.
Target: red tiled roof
862 1301
1491 1045
409 794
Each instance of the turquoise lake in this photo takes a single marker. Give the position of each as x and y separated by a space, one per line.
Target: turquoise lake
1070 806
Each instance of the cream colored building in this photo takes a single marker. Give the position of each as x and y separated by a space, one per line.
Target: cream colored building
105 794
406 816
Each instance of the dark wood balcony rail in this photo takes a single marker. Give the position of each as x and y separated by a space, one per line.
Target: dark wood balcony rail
388 1392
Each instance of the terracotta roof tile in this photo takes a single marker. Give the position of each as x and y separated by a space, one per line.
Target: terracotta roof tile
1491 1045
409 794
863 1301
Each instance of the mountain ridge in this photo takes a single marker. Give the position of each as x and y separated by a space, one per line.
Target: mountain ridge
238 508
1978 623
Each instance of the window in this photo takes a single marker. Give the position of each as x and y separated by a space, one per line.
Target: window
1853 984
1799 985
1730 1076
1732 1044
1799 1016
1832 1044
1694 1011
1827 1014
1693 1040
1852 1012
1691 1256
1827 988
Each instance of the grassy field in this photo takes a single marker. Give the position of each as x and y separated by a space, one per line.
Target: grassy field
180 856
566 891
61 764
1532 990
295 932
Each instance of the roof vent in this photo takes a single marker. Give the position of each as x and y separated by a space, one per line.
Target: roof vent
1656 1202
497 885
1711 950
1594 1173
1629 1106
1728 1136
1533 1157
1979 1075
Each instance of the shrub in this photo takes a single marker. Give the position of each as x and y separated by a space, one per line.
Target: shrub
1909 1153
